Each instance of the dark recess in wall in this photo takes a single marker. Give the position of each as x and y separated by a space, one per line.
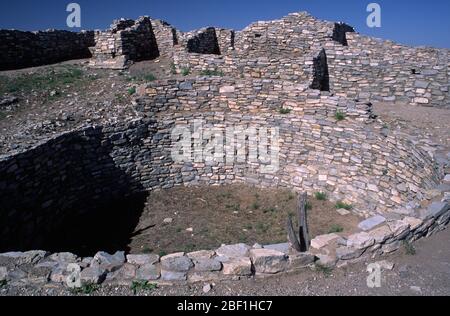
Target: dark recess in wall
340 33
321 80
205 42
68 195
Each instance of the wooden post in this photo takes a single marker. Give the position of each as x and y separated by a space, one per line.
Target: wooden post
300 242
293 235
303 230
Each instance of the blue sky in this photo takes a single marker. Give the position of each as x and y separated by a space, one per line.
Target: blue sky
412 22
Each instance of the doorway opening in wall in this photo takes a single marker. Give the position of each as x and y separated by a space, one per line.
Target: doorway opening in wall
205 42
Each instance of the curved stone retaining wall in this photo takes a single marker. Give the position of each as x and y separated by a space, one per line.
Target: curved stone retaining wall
350 159
28 49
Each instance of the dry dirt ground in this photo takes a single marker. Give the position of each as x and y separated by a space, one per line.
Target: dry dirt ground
206 217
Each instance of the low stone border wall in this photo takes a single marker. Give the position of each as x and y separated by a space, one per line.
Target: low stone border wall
229 262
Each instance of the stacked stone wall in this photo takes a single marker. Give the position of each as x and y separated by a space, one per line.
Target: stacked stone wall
28 49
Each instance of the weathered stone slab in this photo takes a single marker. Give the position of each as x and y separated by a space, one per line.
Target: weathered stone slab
173 276
283 247
413 222
381 234
203 276
202 254
371 223
108 262
268 261
435 210
360 241
148 272
143 259
301 260
93 275
233 251
207 265
64 257
321 241
176 262
349 253
238 267
126 273
343 212
227 89
398 227
394 246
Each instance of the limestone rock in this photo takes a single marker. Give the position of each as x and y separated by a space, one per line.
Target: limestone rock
238 266
399 227
202 254
371 223
207 265
343 212
148 272
301 260
268 261
413 222
143 259
176 262
321 241
349 253
360 241
233 251
173 276
207 288
283 247
381 234
93 275
391 247
109 262
64 257
435 210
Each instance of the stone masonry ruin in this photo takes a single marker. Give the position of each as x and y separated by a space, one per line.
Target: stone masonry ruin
295 74
28 49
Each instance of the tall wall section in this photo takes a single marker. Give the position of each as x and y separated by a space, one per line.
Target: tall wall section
28 49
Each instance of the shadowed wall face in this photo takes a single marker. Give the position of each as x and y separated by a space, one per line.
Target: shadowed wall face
28 49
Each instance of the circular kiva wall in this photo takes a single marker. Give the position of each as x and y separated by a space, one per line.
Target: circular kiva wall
306 148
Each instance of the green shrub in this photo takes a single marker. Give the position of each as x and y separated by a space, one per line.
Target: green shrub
336 229
173 69
341 205
185 71
86 289
339 116
149 77
285 111
137 286
321 196
211 73
132 90
409 248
